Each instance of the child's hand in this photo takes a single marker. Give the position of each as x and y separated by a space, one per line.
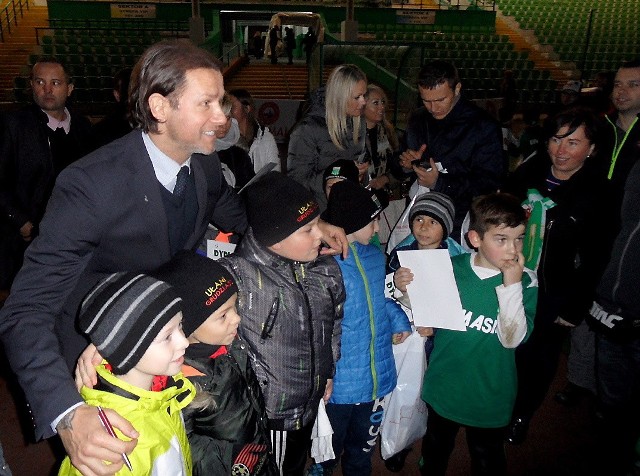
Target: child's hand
512 270
328 390
401 278
86 367
400 337
425 331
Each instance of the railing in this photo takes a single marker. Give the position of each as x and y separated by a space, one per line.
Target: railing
446 4
177 30
9 15
231 54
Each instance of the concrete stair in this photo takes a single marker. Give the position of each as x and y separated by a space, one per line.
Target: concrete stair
541 60
18 45
271 81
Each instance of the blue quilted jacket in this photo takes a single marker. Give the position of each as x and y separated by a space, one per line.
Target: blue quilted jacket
366 369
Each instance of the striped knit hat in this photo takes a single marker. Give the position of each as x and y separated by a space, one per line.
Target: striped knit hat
437 206
124 313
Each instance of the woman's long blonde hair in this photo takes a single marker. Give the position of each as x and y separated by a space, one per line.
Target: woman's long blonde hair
387 128
340 85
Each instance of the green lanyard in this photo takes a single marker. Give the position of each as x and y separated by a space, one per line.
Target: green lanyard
616 148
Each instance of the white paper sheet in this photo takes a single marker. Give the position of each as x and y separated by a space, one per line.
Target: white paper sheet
435 301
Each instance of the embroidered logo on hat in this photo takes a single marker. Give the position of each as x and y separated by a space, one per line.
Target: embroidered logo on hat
214 292
306 210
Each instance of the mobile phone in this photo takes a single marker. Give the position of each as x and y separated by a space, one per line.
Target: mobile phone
421 163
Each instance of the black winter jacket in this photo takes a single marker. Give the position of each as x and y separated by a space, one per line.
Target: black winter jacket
291 319
574 251
468 143
231 435
619 290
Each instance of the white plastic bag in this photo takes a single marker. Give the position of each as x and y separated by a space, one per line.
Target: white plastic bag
264 150
322 436
405 415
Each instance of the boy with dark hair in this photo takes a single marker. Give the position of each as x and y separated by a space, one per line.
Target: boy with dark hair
431 222
290 299
471 379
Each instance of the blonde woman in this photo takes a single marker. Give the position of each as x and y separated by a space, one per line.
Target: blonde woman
331 130
382 141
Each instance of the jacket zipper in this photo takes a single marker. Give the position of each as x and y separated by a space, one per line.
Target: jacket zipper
309 321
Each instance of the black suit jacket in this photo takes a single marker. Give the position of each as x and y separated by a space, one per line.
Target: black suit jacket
105 215
26 167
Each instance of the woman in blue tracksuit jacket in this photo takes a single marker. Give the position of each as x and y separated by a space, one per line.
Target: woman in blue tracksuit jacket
366 371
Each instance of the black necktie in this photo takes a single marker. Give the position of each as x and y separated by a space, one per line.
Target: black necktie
181 182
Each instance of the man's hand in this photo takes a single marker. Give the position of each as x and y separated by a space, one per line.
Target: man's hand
512 270
401 278
86 374
335 238
408 156
427 177
26 230
328 390
91 450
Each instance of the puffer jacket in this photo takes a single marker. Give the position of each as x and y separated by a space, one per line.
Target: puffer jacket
366 370
229 436
291 320
468 144
311 149
162 446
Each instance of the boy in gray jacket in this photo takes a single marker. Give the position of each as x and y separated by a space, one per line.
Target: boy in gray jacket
290 299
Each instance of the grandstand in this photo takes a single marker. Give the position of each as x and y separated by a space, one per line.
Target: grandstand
591 35
542 42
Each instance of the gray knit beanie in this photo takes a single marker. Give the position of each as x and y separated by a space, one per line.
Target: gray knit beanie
437 206
124 313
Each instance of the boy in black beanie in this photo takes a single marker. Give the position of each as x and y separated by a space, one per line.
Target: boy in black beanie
226 422
134 320
290 299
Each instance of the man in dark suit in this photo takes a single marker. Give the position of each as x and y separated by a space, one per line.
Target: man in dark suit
129 206
36 143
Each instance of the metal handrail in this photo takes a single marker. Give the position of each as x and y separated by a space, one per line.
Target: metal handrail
9 15
233 53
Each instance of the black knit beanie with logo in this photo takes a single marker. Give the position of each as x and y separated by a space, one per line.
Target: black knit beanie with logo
277 206
202 283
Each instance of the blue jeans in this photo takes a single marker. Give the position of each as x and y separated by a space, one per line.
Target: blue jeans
618 383
355 433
